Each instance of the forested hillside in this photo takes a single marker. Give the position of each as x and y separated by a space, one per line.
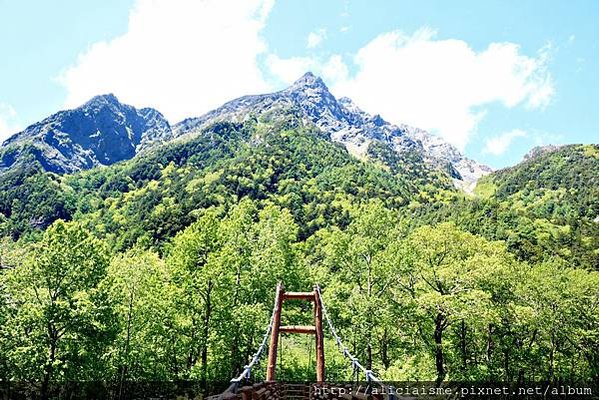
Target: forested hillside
163 267
544 208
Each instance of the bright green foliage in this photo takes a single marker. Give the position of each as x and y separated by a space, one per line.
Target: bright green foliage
356 273
158 194
574 168
141 291
30 199
59 321
225 271
560 308
167 268
450 280
545 208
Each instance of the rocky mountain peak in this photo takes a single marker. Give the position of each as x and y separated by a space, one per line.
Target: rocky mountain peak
308 80
102 101
100 132
108 98
540 150
311 95
344 122
311 88
104 130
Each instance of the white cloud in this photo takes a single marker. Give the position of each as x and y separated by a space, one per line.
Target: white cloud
345 13
287 70
444 85
499 144
316 38
541 138
8 121
184 57
344 29
334 70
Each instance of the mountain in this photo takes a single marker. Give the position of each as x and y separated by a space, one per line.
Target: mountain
104 131
464 171
556 191
344 122
162 190
100 132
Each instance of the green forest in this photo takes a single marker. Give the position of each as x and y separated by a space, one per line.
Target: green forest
164 267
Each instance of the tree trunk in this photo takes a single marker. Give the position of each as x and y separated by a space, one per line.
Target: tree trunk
49 367
385 350
506 365
439 362
551 357
236 360
490 345
463 345
193 350
207 316
125 364
369 353
369 315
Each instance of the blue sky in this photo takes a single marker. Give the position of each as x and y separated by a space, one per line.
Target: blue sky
495 78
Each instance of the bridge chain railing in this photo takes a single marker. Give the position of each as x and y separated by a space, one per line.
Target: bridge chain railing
247 369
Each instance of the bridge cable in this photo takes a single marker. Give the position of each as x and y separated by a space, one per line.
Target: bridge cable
247 369
356 365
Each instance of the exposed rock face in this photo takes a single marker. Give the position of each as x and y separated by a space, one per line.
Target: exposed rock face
540 150
346 123
100 132
464 171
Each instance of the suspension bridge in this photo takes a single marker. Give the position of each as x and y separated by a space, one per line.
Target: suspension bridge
241 388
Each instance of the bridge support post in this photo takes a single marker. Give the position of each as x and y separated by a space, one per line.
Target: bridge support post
274 337
319 336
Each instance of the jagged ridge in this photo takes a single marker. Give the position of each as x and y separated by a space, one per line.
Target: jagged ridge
343 121
104 131
100 132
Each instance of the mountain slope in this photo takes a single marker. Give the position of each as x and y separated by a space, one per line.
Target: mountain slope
162 190
343 122
100 132
559 177
544 208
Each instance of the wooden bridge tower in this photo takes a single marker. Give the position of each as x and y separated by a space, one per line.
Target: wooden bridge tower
315 330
